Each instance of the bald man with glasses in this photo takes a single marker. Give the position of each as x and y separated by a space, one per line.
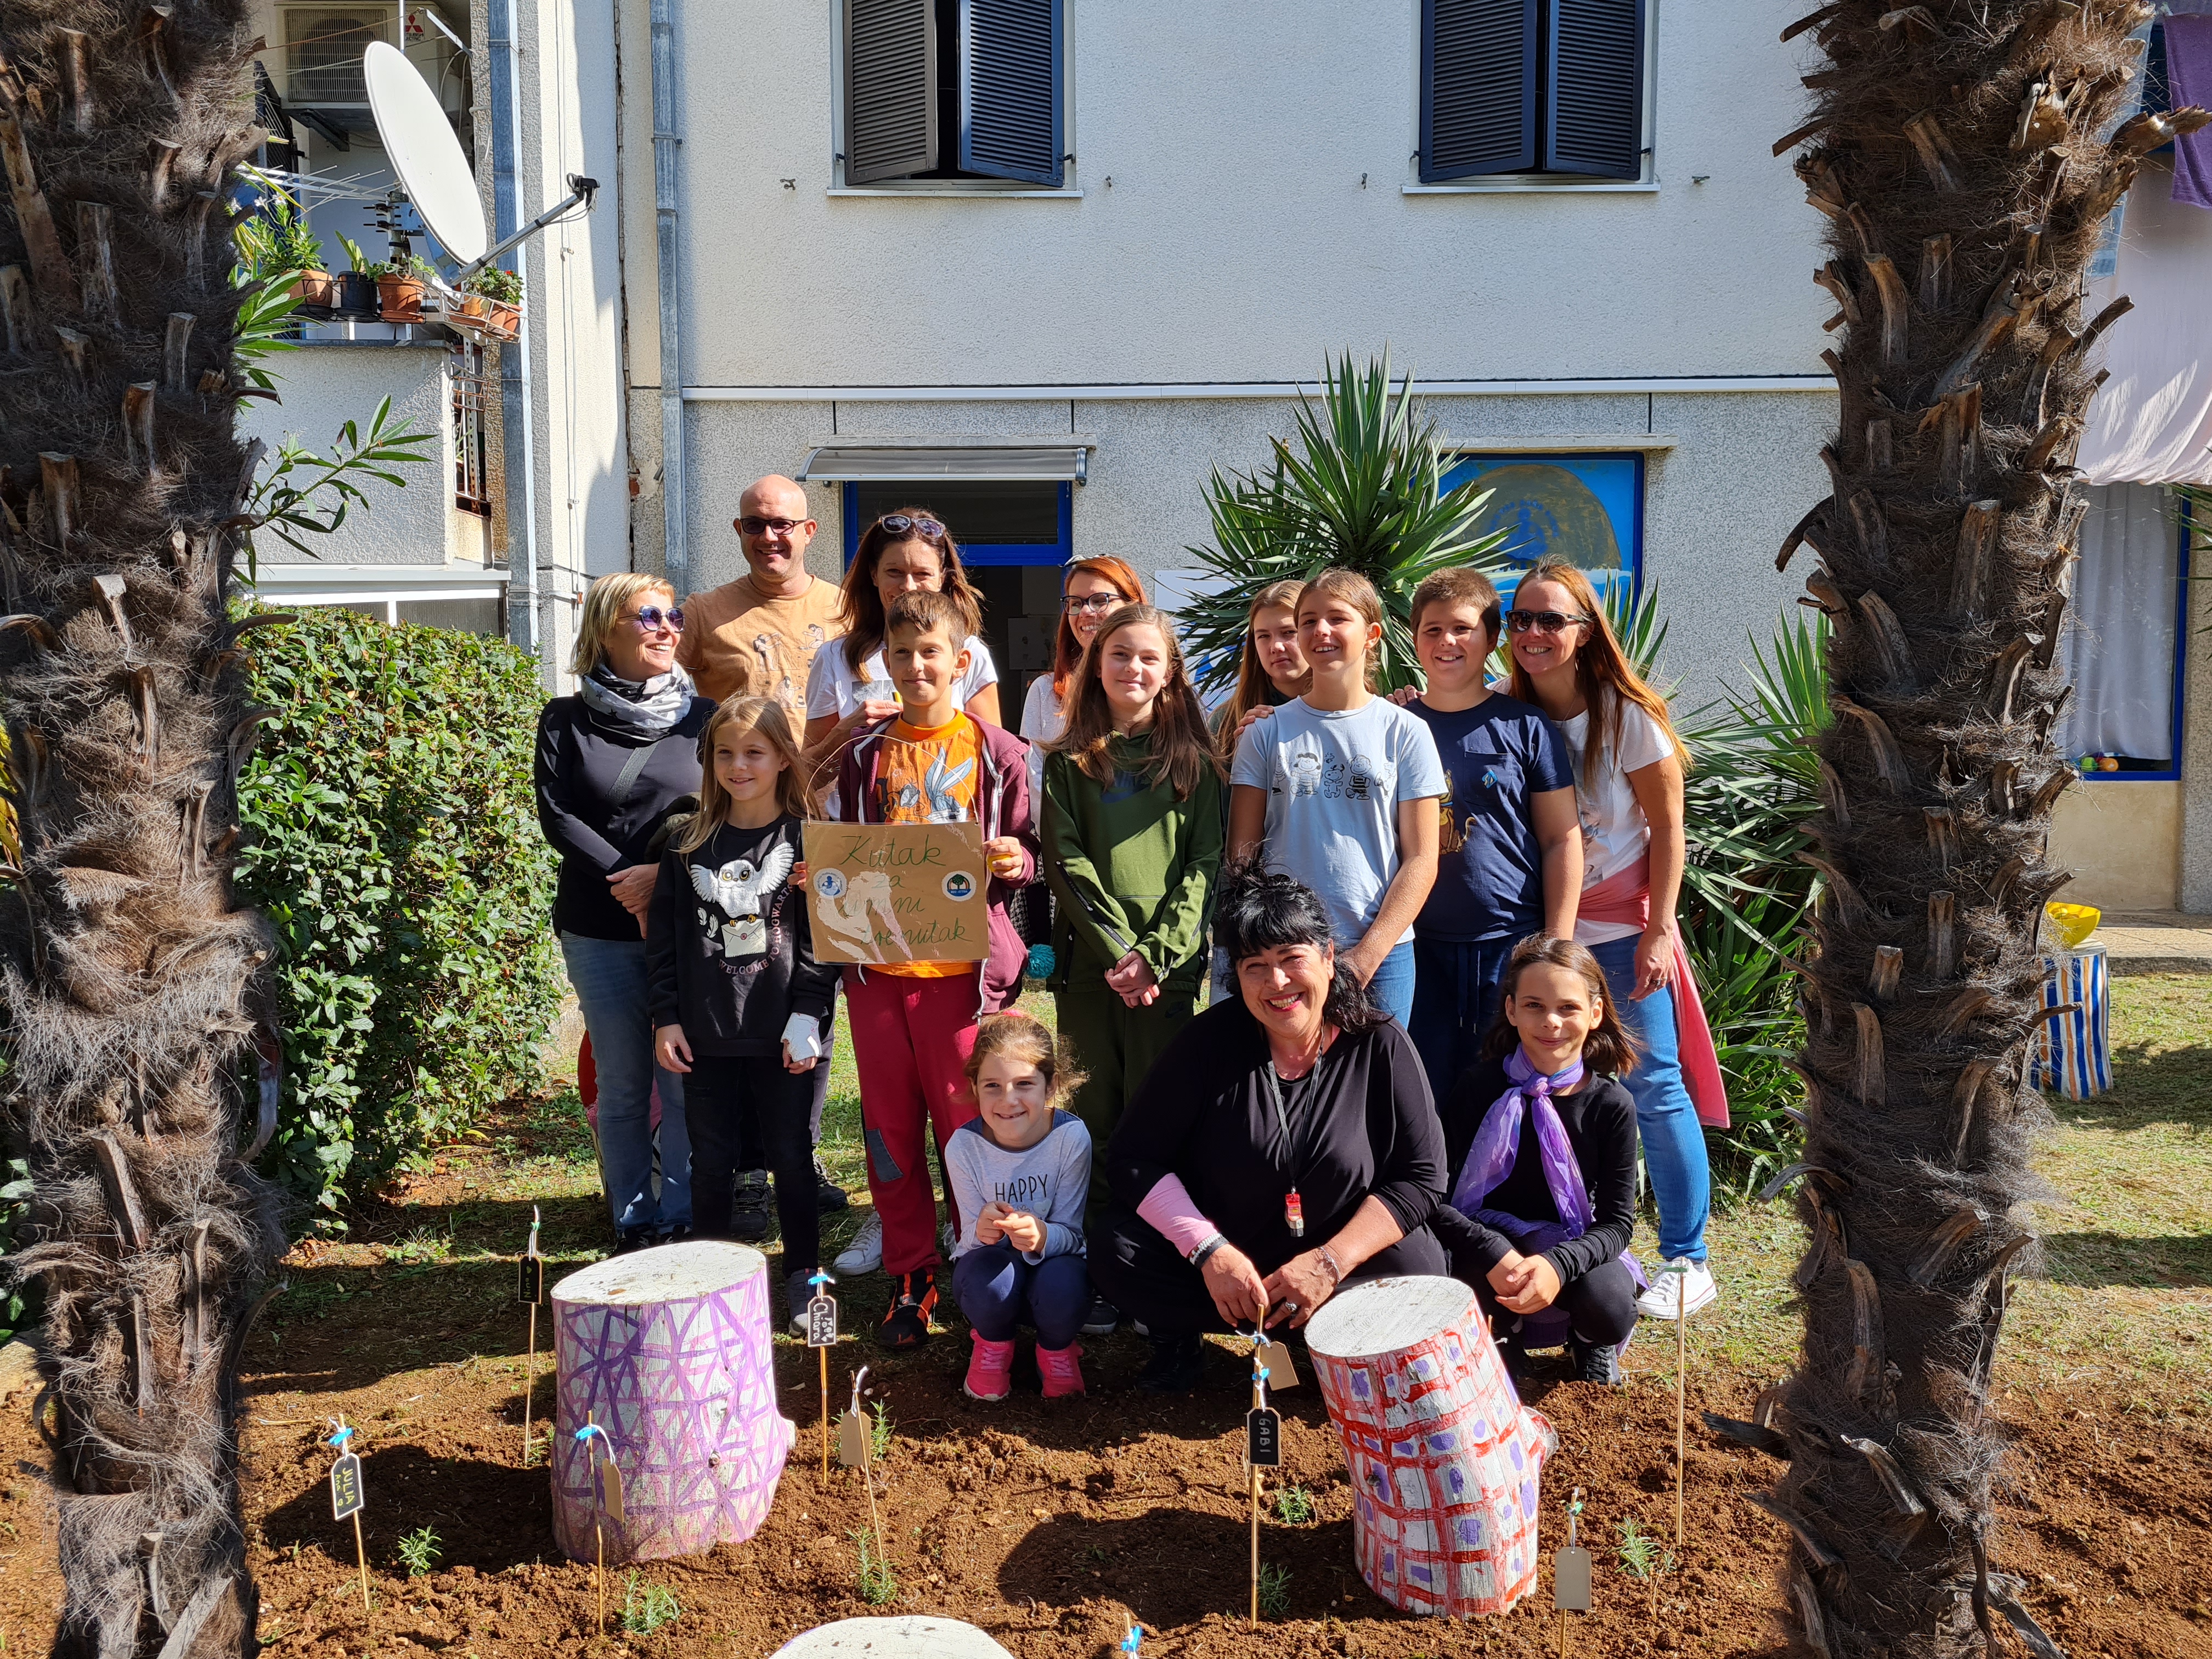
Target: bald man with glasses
757 636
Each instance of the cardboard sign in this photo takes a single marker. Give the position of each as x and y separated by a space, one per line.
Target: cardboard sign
529 1282
346 1495
879 893
1263 1438
852 1440
1274 1358
822 1322
1571 1581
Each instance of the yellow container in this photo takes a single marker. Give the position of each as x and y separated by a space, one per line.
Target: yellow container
2074 922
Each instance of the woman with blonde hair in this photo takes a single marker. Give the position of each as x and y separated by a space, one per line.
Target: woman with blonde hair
1629 767
1271 669
613 761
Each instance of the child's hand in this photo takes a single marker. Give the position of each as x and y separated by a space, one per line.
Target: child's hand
798 873
1004 854
670 1051
1024 1231
791 1065
1133 981
1252 716
987 1230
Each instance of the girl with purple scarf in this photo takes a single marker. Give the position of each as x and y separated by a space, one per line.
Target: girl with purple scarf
1539 1136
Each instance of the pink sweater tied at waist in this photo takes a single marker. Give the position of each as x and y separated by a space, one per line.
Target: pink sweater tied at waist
1625 899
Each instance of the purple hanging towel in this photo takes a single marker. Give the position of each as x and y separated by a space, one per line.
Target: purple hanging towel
2189 80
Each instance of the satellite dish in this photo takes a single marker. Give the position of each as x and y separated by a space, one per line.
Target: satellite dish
424 151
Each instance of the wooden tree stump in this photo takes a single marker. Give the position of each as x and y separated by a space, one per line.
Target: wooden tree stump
892 1639
668 1351
1443 1456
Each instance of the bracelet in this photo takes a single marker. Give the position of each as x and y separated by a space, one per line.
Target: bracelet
1329 1260
1204 1248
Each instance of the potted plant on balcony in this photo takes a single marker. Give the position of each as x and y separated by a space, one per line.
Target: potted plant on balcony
496 296
400 285
291 245
356 288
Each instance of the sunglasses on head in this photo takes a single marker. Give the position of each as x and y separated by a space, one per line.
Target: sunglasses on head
1548 622
651 619
753 525
902 525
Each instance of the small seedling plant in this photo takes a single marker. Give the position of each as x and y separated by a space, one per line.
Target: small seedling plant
1294 1506
879 1432
646 1608
1644 1559
1275 1590
877 1583
418 1552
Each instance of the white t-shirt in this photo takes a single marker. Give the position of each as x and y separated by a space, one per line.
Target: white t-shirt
1334 780
1614 830
832 687
1043 720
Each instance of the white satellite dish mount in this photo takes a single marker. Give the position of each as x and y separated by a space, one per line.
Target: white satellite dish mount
433 171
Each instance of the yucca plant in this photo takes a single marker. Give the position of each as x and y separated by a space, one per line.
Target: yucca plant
1363 488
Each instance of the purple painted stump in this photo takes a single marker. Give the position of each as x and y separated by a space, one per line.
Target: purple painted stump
668 1351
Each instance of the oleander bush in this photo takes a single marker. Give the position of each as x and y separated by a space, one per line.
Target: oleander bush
392 839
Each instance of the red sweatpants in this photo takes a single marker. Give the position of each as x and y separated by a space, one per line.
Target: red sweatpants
911 1040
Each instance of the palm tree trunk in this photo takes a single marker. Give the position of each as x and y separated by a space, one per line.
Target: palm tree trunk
133 988
1958 154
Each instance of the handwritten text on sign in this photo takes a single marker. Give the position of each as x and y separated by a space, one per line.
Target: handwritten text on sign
881 893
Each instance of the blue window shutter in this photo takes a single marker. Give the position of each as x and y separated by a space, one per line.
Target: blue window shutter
1594 87
890 89
1011 91
1478 88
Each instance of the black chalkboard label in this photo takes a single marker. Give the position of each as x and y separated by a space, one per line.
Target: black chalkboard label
1263 1438
530 1285
822 1322
345 1488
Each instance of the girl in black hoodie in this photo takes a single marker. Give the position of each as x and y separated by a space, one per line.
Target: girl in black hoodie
737 997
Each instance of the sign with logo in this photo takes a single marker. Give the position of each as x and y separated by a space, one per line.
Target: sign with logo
890 893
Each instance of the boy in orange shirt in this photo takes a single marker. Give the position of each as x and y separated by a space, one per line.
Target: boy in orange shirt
914 1023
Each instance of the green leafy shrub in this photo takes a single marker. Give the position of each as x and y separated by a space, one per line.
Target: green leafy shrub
393 841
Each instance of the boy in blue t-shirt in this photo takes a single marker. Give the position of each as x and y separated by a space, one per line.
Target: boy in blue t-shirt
1510 860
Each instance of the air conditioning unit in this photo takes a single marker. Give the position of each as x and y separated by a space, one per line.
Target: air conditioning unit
323 44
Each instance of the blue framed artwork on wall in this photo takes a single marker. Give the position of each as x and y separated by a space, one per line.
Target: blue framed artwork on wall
1587 509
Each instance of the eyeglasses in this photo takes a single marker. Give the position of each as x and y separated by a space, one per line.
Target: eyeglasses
1545 622
898 524
753 525
651 619
1100 603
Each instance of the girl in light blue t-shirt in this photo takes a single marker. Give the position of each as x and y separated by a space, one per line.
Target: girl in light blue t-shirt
1341 788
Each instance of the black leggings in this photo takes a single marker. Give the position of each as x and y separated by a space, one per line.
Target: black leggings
750 1154
730 1100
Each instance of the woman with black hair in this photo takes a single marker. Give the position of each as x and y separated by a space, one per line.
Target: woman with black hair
1283 1146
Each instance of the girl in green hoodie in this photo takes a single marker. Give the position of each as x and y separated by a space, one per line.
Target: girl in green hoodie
1133 830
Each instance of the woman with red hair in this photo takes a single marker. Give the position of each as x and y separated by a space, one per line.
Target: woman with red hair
1091 591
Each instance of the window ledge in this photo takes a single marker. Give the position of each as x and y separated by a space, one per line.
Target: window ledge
941 188
1523 186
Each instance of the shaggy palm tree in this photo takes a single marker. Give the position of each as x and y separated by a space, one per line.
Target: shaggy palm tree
1363 489
1967 155
136 1005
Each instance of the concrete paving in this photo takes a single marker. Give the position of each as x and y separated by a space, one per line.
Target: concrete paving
2155 942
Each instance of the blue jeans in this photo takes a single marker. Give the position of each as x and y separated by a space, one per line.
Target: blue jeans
1455 1006
1392 989
995 1286
1673 1141
609 975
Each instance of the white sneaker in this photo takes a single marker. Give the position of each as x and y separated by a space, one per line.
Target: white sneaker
865 1253
1695 1288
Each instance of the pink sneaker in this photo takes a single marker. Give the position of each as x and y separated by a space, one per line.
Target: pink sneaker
991 1370
1061 1369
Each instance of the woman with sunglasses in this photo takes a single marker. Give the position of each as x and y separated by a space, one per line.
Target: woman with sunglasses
849 687
613 762
1629 767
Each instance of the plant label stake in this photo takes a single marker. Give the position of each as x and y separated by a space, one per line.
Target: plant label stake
822 1336
855 1450
1274 1358
348 1499
1570 1574
1263 1450
607 1481
1681 1372
530 1290
1129 1641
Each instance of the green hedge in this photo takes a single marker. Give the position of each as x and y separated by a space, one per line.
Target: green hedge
392 839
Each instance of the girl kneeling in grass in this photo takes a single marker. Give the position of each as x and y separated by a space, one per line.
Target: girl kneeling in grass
1542 1135
1019 1171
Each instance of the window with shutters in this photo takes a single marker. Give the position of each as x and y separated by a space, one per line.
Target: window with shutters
1533 90
962 94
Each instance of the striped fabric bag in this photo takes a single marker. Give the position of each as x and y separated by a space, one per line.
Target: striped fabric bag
2072 1052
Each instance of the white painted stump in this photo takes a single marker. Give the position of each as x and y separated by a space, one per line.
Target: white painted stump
1443 1456
668 1351
892 1639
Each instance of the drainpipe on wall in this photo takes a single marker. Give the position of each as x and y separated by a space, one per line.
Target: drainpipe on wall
675 556
514 405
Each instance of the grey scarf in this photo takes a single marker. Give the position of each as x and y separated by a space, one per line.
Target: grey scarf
645 708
